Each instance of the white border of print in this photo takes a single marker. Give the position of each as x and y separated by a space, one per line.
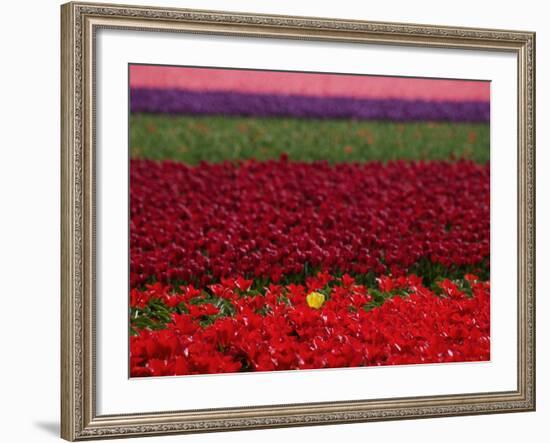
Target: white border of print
116 393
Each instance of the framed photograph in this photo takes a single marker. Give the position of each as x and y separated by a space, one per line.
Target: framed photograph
282 221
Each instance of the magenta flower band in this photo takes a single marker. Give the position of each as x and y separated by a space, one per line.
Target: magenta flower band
179 101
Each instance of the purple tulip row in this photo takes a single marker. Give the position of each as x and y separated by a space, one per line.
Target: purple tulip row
177 101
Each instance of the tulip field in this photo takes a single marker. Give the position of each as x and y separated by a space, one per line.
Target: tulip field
285 221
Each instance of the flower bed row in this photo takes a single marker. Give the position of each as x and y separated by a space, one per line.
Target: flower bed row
280 221
306 83
327 322
179 101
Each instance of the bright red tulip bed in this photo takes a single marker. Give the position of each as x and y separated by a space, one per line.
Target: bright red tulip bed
278 265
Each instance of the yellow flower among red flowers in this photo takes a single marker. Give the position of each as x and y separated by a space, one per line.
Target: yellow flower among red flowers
315 300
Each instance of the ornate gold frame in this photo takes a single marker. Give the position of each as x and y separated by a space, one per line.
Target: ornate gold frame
78 417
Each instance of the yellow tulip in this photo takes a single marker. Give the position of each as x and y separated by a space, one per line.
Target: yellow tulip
315 300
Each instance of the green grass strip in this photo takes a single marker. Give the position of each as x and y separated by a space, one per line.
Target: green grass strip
192 139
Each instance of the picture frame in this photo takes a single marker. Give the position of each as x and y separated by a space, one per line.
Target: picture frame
80 242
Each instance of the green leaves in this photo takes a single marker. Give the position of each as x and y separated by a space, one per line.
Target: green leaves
378 299
155 315
214 138
225 306
432 273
